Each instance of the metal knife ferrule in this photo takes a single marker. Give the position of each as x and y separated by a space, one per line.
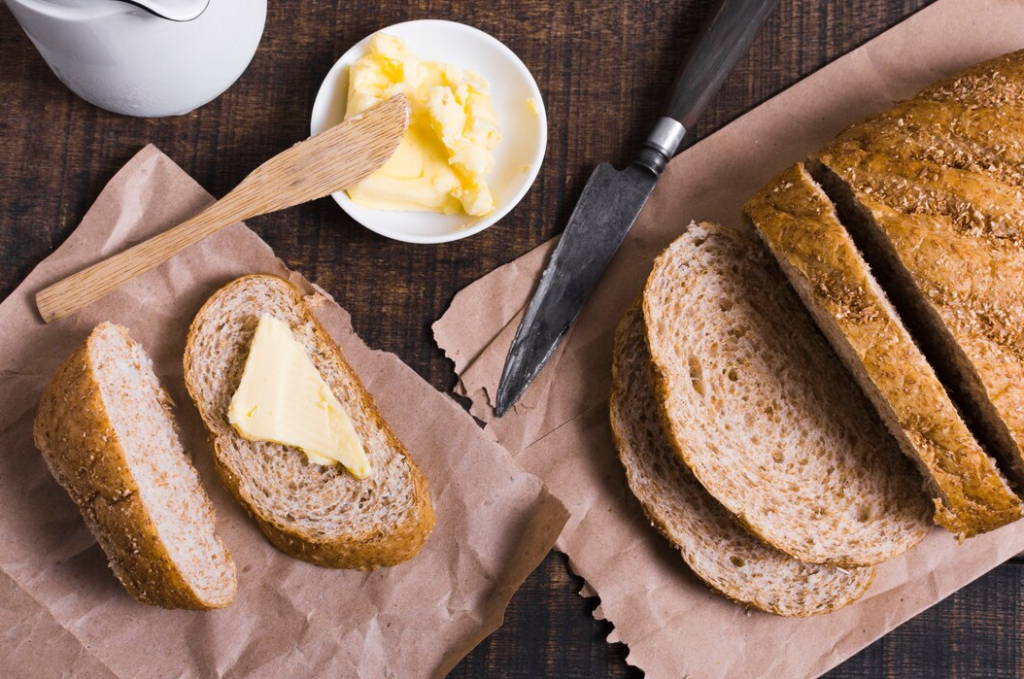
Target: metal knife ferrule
664 141
612 199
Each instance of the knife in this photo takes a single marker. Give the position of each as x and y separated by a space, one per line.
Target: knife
611 200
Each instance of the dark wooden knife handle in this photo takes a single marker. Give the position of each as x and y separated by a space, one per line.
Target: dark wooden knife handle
724 37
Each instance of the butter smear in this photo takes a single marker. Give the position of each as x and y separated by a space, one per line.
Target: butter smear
448 150
282 398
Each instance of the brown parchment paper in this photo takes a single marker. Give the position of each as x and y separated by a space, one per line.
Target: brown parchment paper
63 612
559 431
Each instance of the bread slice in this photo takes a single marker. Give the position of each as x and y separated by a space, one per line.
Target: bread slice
756 403
800 225
718 549
105 429
321 514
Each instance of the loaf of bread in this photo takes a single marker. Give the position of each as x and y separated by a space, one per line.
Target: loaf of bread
800 225
717 549
933 194
321 514
757 405
105 429
904 239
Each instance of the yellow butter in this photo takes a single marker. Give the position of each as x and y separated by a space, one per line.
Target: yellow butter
283 399
442 161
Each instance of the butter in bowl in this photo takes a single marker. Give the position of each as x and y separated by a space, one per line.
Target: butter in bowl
476 137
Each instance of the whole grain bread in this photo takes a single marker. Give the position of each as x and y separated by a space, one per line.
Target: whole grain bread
960 298
105 429
321 514
979 140
932 194
803 231
757 405
717 549
990 83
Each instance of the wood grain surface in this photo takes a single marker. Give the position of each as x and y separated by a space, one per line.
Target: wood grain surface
603 67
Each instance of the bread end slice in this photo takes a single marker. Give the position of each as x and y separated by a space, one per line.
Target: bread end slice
105 429
320 514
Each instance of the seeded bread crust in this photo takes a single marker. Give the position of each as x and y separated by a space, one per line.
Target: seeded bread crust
990 83
800 226
980 140
83 450
716 548
318 514
758 407
932 193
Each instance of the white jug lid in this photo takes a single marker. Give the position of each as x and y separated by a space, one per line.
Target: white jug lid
175 10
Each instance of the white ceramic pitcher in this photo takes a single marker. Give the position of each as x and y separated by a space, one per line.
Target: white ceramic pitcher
130 60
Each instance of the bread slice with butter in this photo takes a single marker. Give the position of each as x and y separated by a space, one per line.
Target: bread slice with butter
316 512
283 399
717 548
105 429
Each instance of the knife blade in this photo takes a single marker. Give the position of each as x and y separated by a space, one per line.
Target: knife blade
612 200
590 240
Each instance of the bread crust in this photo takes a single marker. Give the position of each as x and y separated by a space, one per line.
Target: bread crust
83 451
931 192
995 82
366 551
798 223
980 140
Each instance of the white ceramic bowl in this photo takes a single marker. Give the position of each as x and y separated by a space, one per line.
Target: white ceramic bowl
524 133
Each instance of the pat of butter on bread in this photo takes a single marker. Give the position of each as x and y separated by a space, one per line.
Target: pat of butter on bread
282 398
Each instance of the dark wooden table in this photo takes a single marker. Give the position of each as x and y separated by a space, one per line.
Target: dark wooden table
603 67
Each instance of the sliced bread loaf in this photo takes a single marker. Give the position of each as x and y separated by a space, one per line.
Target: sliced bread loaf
105 429
800 225
717 548
321 514
757 405
959 294
931 194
